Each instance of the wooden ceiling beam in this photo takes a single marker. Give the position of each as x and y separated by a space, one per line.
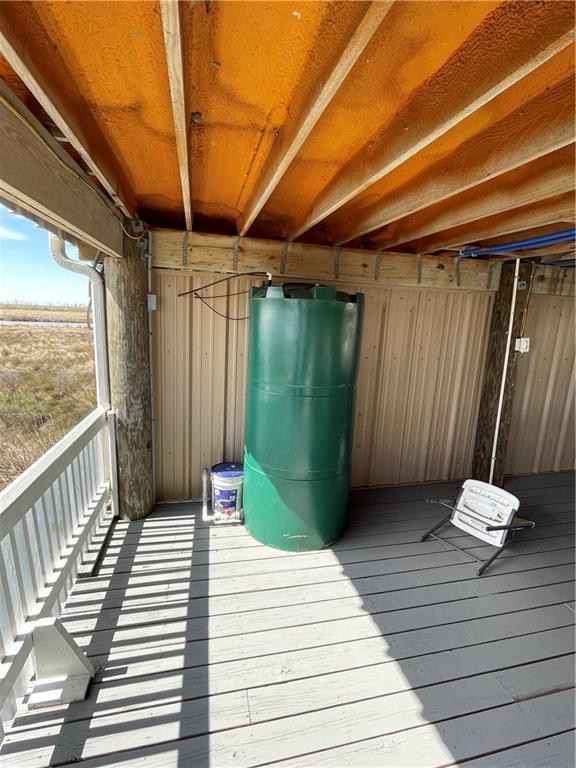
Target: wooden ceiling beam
565 254
171 29
551 250
195 252
62 108
295 132
558 209
38 177
372 164
536 181
532 232
513 142
559 256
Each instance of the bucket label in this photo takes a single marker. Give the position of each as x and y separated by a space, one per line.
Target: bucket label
225 501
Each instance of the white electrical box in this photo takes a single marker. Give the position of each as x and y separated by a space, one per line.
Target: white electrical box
522 344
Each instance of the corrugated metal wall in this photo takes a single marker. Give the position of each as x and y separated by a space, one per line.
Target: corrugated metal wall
199 362
542 428
419 384
417 396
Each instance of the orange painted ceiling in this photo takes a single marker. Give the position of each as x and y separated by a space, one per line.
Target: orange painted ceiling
433 95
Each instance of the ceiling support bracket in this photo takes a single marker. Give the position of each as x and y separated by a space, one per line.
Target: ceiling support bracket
490 275
284 256
377 261
457 261
337 263
420 259
185 249
235 253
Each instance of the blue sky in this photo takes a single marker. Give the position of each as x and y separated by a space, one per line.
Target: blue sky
27 272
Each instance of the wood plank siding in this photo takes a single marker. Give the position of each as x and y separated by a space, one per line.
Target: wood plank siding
213 650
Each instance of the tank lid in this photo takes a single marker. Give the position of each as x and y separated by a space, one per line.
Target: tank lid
228 469
303 291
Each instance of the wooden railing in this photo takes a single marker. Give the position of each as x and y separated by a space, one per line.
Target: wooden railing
48 517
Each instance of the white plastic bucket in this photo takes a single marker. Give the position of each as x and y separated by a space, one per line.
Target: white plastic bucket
227 483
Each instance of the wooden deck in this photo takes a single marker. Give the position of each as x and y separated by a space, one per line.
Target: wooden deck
383 651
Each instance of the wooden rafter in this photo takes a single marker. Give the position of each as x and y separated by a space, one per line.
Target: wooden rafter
294 133
532 232
173 46
37 176
504 147
559 250
544 178
78 130
564 253
371 164
558 209
560 256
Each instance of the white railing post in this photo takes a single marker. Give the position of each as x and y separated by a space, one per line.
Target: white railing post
47 517
113 462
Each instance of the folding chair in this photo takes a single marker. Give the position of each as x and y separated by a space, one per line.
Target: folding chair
484 511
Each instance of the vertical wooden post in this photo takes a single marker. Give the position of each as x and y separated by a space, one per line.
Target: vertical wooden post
493 374
127 326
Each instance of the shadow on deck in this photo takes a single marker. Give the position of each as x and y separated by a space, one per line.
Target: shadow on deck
213 650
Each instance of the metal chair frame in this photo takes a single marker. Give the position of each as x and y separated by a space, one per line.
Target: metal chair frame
512 528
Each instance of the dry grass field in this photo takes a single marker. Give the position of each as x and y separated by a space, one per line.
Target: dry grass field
28 312
46 387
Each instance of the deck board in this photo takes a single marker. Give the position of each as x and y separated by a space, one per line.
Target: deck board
224 568
237 548
216 651
549 752
288 593
271 609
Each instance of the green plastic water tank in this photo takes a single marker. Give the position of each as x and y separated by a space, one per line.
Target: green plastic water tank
304 342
